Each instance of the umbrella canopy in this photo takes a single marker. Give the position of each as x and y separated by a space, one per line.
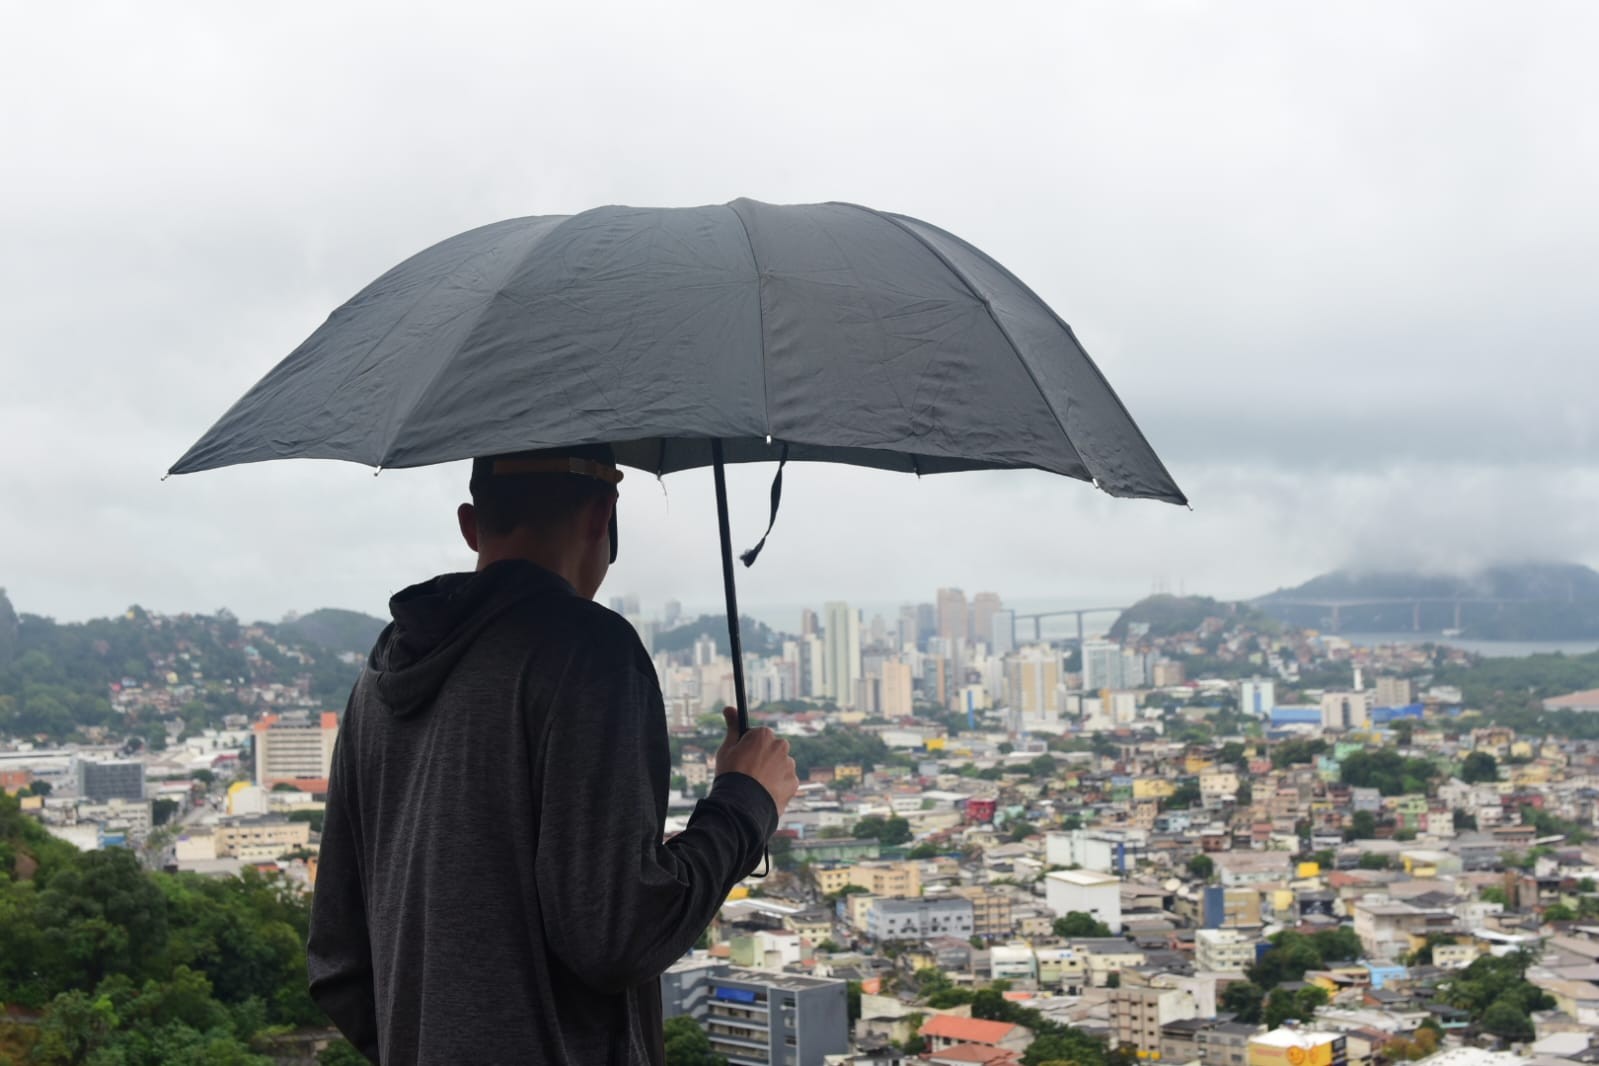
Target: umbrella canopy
686 337
843 333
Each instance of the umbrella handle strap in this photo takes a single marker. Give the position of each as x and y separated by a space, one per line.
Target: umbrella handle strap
748 558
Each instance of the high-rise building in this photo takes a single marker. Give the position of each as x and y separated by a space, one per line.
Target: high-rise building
808 623
1101 665
1032 679
1109 665
295 749
1004 632
813 674
760 1017
1342 711
909 634
671 613
896 692
103 780
1393 691
1257 697
984 606
953 623
843 642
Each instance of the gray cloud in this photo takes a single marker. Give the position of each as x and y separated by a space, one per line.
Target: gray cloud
1339 263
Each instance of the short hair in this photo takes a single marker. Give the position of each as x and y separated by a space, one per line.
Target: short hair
506 499
533 501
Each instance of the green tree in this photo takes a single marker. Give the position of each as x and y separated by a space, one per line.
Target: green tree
687 1044
1505 1019
341 1053
890 831
1362 826
1184 797
1282 1004
1201 867
75 1026
9 627
1293 752
1479 766
1079 924
1245 1000
1559 912
1070 1046
316 818
1387 771
162 810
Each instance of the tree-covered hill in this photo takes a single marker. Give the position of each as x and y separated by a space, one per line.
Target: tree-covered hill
758 638
1167 616
1524 601
335 629
109 963
57 679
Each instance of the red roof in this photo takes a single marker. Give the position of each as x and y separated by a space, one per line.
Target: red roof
976 1054
967 1030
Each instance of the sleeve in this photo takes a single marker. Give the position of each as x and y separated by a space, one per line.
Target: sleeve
339 951
619 906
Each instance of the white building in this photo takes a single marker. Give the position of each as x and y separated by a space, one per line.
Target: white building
1223 951
1013 962
1032 682
1088 892
842 643
295 749
1257 697
1343 711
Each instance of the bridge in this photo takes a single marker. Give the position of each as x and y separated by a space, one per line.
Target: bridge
1039 616
1415 603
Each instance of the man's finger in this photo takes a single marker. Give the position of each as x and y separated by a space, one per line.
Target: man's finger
730 716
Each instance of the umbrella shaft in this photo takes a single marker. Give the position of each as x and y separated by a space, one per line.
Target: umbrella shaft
735 645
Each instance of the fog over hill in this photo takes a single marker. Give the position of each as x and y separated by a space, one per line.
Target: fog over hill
1510 601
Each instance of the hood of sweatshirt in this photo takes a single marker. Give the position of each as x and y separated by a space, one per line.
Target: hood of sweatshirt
435 622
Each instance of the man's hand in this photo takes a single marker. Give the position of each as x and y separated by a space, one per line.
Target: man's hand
760 754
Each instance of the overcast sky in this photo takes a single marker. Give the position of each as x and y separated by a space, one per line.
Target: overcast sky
1339 261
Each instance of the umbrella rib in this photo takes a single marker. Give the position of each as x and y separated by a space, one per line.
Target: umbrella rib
1181 497
760 311
478 313
989 307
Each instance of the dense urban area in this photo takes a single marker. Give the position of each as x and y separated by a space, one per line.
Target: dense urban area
1186 832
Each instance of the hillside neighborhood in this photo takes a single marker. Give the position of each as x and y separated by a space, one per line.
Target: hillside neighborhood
1204 837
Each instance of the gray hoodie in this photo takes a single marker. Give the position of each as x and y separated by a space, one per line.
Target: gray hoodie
493 886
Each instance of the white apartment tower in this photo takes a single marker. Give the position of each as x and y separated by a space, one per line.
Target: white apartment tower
842 640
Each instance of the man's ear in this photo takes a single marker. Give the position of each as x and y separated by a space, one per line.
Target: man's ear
466 517
597 518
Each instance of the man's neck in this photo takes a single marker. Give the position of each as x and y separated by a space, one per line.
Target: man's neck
553 557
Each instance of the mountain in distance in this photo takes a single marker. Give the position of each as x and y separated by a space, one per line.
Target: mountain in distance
334 629
1509 601
1166 616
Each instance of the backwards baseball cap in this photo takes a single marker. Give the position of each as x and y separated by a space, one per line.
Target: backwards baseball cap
595 461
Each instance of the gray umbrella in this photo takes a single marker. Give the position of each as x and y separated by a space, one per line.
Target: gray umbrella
687 337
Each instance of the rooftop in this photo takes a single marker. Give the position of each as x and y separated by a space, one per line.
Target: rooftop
1300 1038
967 1030
1084 878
